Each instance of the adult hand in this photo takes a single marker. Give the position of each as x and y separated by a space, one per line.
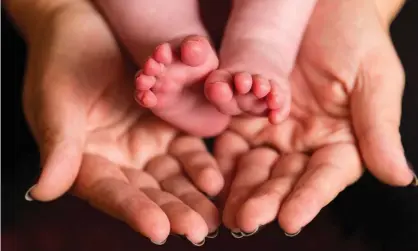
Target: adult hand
346 91
79 103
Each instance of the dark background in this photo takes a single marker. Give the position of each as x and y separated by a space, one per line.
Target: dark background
367 215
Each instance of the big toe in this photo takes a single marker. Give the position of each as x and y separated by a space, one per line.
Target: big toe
195 50
219 91
218 88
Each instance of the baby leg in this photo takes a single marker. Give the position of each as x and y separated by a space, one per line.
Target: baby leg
258 52
168 40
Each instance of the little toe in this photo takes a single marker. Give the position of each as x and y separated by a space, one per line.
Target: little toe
195 50
163 54
146 98
144 82
243 82
261 86
152 67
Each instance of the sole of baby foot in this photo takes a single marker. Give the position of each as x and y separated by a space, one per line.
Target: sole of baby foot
245 93
173 67
171 85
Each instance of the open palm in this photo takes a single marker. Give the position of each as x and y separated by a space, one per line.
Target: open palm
346 92
79 103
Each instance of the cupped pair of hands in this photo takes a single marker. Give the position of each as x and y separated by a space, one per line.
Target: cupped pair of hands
98 143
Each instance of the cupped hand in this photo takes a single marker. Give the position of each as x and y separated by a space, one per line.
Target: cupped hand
346 105
79 104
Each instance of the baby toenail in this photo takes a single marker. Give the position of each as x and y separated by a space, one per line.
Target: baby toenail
195 39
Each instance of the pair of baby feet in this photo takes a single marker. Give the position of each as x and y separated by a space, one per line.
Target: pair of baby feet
185 85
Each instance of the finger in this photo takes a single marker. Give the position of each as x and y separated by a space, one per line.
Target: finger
228 148
59 128
330 170
376 110
183 219
263 205
252 170
104 185
64 79
163 167
140 179
198 164
182 188
202 169
167 172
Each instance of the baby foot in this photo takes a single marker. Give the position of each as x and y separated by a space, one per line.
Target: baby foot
258 52
171 85
235 92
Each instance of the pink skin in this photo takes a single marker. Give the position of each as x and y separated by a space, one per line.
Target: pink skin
171 80
253 60
165 73
257 55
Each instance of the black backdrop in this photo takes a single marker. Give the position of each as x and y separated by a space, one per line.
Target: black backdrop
390 215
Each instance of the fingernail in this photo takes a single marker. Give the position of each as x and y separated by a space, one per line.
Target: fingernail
213 235
159 243
414 182
251 233
200 243
28 197
237 234
211 198
292 235
185 238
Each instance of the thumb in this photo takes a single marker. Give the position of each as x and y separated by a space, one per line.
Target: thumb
376 112
58 123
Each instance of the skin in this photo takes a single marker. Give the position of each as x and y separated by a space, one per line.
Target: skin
90 147
347 85
176 57
258 51
92 138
